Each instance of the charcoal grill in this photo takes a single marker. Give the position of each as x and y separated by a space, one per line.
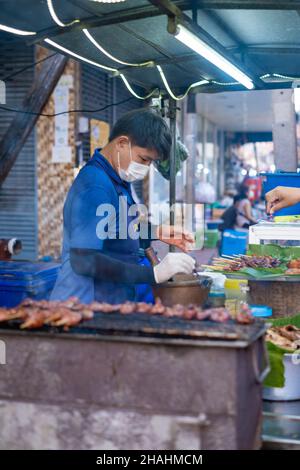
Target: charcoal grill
133 382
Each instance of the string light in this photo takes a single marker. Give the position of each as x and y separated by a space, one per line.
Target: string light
104 51
20 32
129 88
108 1
167 86
67 51
55 17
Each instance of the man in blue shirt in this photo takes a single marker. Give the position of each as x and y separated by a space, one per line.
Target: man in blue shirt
100 256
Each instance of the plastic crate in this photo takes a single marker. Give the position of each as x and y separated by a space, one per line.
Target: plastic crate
21 279
272 180
234 243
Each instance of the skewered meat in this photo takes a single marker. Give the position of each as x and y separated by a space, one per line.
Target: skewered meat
36 319
219 315
69 313
104 307
87 313
203 314
68 319
56 315
70 303
244 261
190 312
158 308
143 307
244 315
127 308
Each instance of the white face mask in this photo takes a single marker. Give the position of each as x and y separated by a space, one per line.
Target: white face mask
135 171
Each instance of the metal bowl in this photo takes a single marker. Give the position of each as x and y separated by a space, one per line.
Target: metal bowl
184 290
291 389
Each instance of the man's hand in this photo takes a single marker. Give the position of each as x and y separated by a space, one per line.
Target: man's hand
281 197
173 263
175 235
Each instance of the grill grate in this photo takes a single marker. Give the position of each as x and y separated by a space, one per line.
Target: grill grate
142 324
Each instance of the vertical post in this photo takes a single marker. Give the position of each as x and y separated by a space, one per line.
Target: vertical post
204 140
191 141
284 130
221 164
172 197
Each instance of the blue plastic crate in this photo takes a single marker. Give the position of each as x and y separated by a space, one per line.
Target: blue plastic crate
21 279
234 243
280 178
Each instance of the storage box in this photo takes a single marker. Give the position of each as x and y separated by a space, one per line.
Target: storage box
280 178
234 243
21 279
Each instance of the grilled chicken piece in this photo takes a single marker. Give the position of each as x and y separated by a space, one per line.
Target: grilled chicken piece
86 313
143 307
55 315
70 303
289 331
36 319
278 340
127 308
158 308
219 315
202 314
68 319
28 303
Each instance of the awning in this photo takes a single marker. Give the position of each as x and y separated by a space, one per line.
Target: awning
260 37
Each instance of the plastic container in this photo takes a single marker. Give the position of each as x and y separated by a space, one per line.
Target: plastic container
21 279
261 311
236 289
234 242
211 238
280 178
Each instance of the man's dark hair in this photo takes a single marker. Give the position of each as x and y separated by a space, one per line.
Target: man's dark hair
146 129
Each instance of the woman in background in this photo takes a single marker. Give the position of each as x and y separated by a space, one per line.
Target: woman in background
244 209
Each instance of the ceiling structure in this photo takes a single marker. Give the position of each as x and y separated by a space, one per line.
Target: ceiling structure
260 37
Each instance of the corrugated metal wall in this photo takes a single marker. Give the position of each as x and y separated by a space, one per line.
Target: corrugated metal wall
99 90
18 212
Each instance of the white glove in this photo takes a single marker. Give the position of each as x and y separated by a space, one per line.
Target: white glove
173 263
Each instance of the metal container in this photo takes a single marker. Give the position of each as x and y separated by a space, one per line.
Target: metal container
184 290
291 389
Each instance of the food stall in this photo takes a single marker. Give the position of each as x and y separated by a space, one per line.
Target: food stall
131 381
97 376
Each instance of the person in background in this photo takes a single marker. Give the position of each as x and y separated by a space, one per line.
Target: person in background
228 198
281 197
244 210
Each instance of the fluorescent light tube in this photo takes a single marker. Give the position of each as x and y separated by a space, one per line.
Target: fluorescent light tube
191 40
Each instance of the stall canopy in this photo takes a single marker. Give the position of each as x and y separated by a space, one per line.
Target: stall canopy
131 39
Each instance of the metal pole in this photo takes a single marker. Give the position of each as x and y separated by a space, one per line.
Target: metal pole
172 198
